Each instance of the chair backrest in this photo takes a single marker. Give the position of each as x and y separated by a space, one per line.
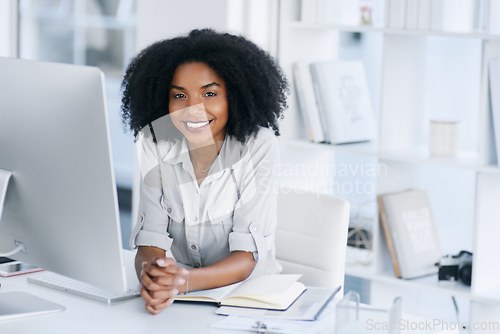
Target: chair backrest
311 237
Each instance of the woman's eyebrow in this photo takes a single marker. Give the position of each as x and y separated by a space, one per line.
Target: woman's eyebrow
210 84
202 87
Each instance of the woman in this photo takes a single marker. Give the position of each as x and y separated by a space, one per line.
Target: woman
204 109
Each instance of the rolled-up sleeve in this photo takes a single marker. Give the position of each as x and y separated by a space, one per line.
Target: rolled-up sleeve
254 220
151 226
152 221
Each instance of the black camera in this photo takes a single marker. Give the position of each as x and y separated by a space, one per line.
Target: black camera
456 267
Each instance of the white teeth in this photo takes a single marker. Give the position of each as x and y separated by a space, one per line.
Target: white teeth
196 125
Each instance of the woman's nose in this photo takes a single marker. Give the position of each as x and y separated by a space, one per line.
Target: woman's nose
196 110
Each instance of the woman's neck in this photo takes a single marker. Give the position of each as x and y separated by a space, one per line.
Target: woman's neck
203 156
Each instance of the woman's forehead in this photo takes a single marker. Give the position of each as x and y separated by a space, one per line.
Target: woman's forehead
195 75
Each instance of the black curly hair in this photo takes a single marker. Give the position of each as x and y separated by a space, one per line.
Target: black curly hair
255 84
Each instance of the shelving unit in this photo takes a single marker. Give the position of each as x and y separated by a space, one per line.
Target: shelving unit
413 78
465 159
404 32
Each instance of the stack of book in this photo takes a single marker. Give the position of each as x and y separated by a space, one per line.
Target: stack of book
495 102
437 15
335 102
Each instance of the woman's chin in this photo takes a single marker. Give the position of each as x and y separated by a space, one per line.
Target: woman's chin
204 138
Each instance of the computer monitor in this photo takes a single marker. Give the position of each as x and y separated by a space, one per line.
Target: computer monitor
61 200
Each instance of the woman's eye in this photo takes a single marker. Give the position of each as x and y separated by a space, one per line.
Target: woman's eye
210 94
178 96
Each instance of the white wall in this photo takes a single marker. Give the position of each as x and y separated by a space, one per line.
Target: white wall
160 19
8 28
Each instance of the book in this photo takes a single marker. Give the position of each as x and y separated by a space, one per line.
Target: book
411 22
493 21
307 307
271 292
397 14
494 74
308 11
307 102
340 12
424 14
453 15
344 101
410 233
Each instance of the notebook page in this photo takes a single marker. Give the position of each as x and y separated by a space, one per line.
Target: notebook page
215 294
264 285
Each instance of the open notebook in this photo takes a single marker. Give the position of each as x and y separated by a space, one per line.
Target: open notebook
273 292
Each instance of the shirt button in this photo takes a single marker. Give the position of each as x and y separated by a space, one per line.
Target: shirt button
141 219
228 210
169 210
255 228
195 218
193 247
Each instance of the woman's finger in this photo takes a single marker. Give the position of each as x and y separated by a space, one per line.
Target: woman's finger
160 296
163 305
148 283
155 270
157 297
170 280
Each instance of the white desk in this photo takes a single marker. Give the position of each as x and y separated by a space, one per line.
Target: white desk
84 315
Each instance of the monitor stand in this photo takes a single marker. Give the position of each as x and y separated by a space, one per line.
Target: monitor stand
4 182
17 304
9 267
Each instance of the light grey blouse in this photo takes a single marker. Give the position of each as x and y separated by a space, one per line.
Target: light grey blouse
233 209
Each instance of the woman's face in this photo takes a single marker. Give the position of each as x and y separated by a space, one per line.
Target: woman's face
198 104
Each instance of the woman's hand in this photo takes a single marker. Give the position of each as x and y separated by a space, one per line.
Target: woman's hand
161 280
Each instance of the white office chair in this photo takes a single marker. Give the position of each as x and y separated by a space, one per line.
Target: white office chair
311 237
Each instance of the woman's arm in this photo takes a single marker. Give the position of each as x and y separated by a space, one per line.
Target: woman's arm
234 268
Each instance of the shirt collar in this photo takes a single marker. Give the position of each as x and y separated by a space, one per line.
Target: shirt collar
230 153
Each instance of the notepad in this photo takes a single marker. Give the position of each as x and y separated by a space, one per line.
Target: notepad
272 292
307 307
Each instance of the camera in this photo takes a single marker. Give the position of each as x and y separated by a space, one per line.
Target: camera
456 267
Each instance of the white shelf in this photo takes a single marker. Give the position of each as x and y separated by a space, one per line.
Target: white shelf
404 32
365 148
429 283
465 159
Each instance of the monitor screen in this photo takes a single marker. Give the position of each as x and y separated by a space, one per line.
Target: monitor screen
61 200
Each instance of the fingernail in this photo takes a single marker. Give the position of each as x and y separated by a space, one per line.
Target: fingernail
181 281
142 273
185 271
144 264
160 262
175 292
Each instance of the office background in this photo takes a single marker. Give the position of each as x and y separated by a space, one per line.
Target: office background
108 33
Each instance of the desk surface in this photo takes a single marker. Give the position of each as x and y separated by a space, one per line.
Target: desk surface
84 315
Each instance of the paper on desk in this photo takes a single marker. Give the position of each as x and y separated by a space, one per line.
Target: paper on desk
325 321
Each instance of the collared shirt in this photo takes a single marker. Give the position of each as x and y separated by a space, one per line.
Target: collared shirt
233 209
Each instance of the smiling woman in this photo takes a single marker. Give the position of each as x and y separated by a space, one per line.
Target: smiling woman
206 150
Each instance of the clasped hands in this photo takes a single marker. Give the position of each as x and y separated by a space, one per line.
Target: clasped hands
161 280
